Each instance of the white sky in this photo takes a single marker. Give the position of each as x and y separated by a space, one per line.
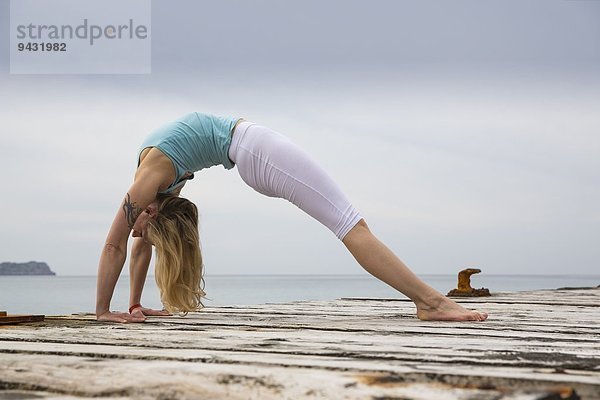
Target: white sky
463 144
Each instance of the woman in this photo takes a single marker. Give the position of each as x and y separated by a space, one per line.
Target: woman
269 163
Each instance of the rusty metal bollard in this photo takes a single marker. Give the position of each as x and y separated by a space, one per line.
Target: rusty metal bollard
464 285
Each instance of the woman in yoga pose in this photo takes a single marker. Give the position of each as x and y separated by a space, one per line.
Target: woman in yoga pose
268 162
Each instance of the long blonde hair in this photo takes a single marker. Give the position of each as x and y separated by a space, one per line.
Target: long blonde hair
178 268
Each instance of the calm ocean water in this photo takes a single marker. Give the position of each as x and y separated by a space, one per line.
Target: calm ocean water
52 295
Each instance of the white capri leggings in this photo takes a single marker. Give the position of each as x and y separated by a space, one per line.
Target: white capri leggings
273 165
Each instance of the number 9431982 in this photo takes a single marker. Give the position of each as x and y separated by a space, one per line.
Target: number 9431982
43 46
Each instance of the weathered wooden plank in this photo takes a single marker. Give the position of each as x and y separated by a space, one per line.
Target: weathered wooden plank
18 319
179 379
197 327
516 314
394 354
524 321
538 359
580 339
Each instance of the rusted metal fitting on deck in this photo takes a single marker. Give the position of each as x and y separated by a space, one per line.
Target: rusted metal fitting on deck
464 285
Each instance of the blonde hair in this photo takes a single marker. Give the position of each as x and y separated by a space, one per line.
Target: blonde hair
178 268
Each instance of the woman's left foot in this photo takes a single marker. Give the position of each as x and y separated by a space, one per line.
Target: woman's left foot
444 309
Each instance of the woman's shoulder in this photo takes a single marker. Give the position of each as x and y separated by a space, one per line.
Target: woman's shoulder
152 156
155 163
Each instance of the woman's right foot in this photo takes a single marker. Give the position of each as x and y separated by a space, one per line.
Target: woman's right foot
442 308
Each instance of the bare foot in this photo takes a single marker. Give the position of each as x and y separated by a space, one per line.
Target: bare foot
444 309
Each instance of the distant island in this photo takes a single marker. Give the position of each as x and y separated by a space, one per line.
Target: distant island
28 268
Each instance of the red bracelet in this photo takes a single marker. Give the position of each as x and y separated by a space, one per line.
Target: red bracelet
133 307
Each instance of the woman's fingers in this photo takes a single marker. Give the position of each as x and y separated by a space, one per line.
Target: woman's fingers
142 311
159 313
138 313
120 317
133 318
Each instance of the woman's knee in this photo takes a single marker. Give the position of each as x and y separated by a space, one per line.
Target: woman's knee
361 224
359 229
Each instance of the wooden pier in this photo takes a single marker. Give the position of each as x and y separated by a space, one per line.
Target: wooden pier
535 345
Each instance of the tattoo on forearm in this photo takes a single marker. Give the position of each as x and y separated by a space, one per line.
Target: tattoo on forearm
131 210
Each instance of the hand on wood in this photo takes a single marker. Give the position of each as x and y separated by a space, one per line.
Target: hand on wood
142 311
110 316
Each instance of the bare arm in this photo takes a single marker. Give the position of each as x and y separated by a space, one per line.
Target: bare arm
141 254
142 192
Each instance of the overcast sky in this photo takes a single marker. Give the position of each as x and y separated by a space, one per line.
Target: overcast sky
467 133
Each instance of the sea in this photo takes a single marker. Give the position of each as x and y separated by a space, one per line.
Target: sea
60 295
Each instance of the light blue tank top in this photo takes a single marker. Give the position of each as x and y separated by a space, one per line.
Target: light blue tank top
193 142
